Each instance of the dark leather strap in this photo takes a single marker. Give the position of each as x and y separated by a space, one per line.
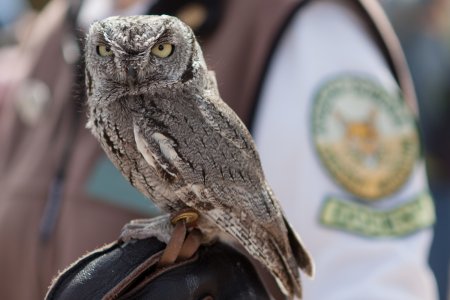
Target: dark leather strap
123 285
191 245
131 293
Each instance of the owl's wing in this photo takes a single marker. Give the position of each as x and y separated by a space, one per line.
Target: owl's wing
162 164
218 115
231 170
229 189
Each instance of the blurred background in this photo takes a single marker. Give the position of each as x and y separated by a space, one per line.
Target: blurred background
423 27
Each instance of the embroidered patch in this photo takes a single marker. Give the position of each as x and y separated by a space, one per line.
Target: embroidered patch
366 138
356 218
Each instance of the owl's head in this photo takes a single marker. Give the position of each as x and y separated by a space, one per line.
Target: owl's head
140 52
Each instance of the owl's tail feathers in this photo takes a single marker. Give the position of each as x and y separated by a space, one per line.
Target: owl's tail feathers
290 258
301 255
287 277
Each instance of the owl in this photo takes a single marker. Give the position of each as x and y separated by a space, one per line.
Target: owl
155 108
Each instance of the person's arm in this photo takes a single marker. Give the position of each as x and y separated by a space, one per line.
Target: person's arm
342 153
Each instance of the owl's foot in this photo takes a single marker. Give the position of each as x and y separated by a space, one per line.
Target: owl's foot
182 244
176 231
140 229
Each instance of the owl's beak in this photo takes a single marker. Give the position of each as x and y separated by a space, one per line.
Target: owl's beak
131 76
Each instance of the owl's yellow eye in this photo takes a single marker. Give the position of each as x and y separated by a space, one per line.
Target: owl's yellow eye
104 50
162 50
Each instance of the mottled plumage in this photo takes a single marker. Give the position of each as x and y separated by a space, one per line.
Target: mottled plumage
156 111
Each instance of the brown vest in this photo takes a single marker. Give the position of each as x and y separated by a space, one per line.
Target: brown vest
248 43
239 52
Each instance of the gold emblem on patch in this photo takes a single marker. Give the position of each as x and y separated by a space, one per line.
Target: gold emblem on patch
366 138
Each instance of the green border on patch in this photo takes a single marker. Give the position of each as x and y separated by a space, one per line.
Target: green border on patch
365 136
360 219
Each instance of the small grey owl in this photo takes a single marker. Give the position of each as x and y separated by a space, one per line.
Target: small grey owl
156 111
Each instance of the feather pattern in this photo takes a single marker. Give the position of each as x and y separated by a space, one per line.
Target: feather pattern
165 127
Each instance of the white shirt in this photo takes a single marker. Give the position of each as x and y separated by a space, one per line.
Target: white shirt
326 40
